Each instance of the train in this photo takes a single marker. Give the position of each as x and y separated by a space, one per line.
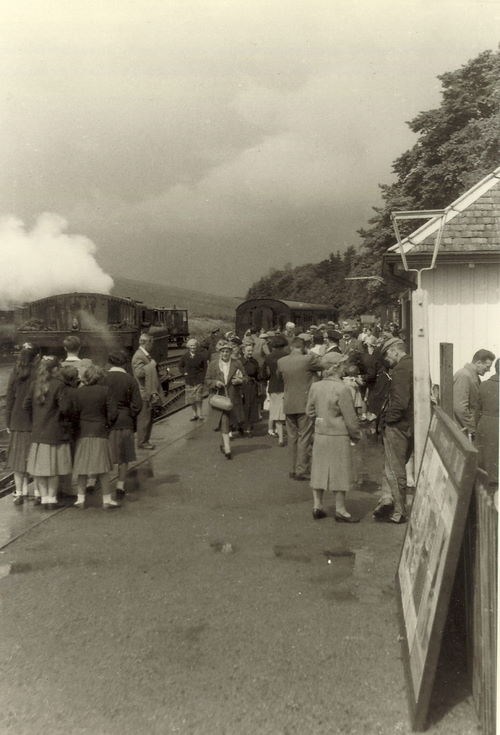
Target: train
268 313
102 323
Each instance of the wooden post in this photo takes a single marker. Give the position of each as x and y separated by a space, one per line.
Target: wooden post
421 373
446 377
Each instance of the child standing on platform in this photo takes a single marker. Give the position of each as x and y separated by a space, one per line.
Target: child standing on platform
18 419
96 412
49 456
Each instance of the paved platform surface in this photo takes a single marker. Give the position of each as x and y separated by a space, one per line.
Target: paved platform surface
210 604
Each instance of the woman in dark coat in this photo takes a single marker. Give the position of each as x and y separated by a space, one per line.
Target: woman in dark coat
50 455
125 394
96 412
225 376
193 365
487 427
18 419
250 389
275 388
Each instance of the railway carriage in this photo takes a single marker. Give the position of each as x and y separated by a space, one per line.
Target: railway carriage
101 322
267 313
175 321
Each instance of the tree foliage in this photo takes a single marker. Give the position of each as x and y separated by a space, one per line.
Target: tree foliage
457 145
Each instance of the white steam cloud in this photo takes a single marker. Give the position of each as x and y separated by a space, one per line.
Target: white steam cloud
46 261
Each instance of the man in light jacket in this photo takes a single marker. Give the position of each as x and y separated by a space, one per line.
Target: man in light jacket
298 371
144 370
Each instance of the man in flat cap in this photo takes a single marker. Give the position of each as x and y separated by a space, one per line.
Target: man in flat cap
397 418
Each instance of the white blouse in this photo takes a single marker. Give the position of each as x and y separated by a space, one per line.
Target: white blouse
224 368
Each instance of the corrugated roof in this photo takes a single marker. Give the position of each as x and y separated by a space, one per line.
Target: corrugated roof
292 304
471 223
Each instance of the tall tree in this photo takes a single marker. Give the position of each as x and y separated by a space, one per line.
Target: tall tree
457 145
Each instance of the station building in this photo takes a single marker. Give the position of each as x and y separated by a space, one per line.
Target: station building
464 288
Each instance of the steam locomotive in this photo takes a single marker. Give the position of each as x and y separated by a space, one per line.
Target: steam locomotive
101 322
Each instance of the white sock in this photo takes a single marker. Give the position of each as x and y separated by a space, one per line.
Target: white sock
80 498
90 481
45 499
120 485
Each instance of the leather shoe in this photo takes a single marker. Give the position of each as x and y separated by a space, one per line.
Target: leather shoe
147 445
301 478
18 500
194 418
51 506
111 506
382 511
345 519
396 518
228 455
292 475
318 513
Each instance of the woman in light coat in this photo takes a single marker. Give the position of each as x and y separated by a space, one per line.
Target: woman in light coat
336 428
225 375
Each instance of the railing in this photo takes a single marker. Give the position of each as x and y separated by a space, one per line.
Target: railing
483 601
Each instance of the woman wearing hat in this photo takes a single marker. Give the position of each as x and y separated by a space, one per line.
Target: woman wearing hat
336 427
225 375
193 365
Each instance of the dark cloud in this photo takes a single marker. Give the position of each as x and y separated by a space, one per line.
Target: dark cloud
218 139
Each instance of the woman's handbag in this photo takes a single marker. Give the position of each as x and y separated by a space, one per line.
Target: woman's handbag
221 403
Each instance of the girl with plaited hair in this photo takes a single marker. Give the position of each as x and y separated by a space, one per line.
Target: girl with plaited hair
48 404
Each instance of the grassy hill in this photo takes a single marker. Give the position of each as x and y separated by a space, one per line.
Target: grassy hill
199 304
205 310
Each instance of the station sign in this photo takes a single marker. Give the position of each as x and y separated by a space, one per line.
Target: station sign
428 562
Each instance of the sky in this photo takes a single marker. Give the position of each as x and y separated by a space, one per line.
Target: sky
200 144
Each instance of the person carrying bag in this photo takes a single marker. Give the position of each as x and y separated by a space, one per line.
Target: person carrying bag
224 378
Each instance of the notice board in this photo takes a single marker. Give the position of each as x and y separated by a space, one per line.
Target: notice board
429 556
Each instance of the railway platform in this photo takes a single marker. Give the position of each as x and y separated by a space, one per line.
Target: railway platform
211 603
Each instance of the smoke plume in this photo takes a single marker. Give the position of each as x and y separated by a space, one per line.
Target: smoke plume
45 261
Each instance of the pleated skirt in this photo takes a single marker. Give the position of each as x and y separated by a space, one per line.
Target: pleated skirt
332 463
92 456
19 449
122 446
49 460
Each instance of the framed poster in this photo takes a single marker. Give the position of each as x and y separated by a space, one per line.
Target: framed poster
429 556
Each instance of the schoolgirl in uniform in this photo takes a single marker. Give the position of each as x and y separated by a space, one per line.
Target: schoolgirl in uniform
49 456
96 413
18 419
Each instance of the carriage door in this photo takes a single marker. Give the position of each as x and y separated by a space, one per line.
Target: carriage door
266 318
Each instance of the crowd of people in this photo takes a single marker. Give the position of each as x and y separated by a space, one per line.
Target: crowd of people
319 389
70 421
324 388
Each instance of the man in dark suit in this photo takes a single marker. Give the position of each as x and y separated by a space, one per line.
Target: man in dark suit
397 419
298 371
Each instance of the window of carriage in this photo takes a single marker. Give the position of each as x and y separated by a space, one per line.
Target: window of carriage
114 311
